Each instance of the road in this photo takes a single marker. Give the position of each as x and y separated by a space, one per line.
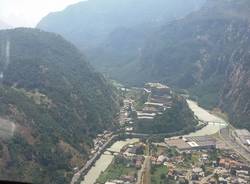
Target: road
142 177
90 162
147 174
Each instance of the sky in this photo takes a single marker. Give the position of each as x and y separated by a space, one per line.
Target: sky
27 13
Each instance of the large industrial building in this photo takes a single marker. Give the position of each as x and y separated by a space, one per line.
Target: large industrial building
192 143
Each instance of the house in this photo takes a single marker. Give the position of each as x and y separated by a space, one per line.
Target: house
228 163
198 171
161 159
153 160
204 157
128 178
222 180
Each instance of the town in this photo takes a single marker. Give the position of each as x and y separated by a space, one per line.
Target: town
205 159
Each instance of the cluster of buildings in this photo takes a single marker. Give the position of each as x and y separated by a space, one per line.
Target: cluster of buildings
132 157
124 112
159 160
224 170
187 144
233 171
135 161
100 141
125 115
133 149
159 99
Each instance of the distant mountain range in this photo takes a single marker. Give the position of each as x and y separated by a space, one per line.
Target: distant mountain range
54 103
89 23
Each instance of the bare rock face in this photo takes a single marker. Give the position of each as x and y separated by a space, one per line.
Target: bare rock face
236 91
7 128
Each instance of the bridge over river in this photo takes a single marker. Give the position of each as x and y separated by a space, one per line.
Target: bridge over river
214 123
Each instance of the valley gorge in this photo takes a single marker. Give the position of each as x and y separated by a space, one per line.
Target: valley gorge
129 81
204 52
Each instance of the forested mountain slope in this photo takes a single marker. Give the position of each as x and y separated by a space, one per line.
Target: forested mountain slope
55 103
207 53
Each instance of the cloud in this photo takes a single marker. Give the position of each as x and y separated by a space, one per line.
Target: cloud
29 12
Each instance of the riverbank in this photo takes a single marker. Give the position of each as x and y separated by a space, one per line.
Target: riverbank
214 123
210 125
92 161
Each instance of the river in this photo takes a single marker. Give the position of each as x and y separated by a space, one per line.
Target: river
214 123
104 161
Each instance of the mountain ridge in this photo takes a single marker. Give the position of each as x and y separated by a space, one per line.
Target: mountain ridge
99 19
206 53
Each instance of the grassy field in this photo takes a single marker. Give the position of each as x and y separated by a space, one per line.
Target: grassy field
115 171
158 174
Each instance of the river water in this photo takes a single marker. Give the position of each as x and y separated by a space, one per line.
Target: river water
105 160
214 123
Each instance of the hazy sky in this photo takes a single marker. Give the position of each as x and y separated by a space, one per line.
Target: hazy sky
29 12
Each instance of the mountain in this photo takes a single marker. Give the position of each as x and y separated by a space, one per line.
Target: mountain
88 23
116 30
52 105
206 53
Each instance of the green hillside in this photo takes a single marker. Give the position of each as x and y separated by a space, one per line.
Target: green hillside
207 53
57 102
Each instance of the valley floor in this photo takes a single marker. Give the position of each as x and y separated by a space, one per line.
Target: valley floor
139 161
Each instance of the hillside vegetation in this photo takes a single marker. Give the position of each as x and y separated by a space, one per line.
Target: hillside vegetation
179 119
57 102
207 53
